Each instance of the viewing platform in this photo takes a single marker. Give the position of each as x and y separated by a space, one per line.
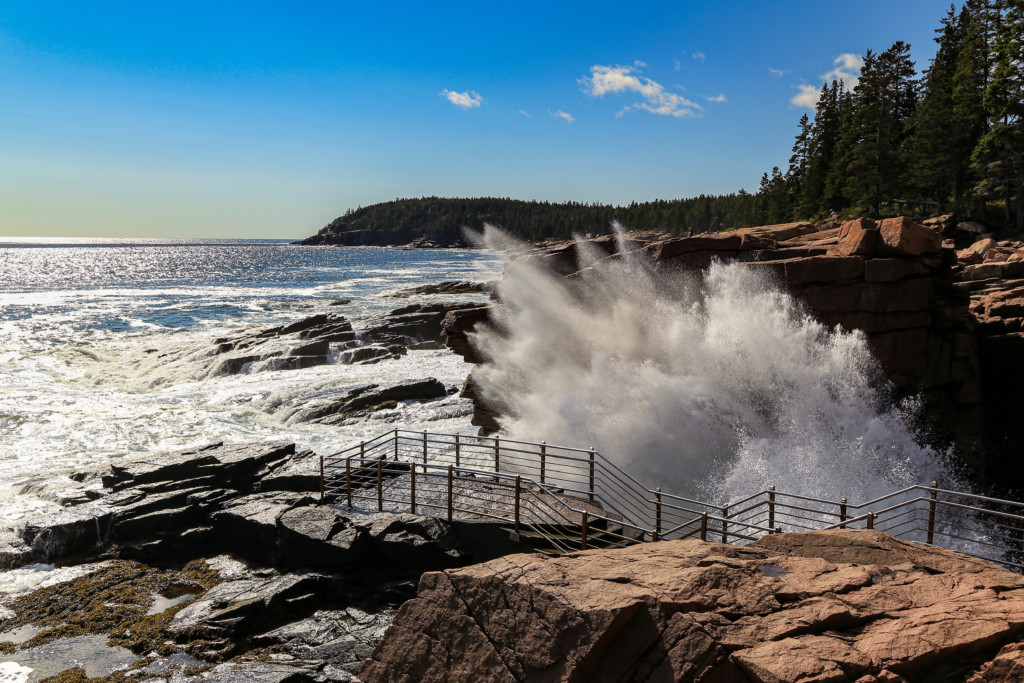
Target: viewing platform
559 499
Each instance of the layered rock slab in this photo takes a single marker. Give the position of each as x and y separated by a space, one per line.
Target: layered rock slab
694 611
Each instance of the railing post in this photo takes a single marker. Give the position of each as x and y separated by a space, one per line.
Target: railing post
725 524
519 484
771 507
931 512
842 512
412 488
497 456
322 488
458 449
657 513
591 473
396 445
871 520
450 507
704 526
348 482
424 446
380 485
583 536
543 459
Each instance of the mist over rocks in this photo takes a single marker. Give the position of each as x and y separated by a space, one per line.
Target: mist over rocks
829 606
773 354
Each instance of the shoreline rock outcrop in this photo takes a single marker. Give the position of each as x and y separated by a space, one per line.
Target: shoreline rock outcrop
816 606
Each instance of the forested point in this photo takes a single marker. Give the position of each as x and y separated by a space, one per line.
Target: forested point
947 140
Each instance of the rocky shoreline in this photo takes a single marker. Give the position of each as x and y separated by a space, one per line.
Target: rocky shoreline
274 586
222 564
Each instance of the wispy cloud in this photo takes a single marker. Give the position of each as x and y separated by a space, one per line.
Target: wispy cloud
699 56
524 112
559 114
779 73
466 100
621 79
718 99
677 63
846 68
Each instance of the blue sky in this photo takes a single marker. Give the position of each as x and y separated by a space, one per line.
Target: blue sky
261 119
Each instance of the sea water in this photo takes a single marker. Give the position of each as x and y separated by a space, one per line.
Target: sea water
87 326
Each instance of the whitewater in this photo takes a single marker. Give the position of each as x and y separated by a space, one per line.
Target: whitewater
87 328
715 385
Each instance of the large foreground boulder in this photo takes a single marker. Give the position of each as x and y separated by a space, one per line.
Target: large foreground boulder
822 606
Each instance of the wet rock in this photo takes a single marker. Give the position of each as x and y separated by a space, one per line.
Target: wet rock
258 672
369 397
342 638
236 466
66 532
687 610
320 537
301 473
249 525
446 287
411 541
235 608
14 552
363 354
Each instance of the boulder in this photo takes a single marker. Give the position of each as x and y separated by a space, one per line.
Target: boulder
249 525
319 537
412 541
694 611
244 606
859 237
983 246
903 237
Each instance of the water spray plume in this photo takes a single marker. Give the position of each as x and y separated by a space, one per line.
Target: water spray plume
714 384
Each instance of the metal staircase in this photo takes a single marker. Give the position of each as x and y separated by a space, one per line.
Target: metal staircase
558 499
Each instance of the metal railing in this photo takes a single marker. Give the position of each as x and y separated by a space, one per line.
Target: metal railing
570 499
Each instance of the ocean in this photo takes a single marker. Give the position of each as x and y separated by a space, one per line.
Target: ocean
98 341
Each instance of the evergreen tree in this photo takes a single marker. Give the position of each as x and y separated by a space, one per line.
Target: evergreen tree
999 155
822 150
949 119
884 100
797 173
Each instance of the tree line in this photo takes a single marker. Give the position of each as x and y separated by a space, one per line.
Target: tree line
442 219
951 140
897 143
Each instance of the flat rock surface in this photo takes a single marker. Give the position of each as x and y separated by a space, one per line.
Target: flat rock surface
824 606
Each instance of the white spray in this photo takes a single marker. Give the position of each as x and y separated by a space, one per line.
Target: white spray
717 386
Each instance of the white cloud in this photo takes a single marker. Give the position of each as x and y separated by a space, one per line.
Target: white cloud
719 99
678 64
846 68
699 56
524 112
621 79
807 97
466 100
559 114
779 73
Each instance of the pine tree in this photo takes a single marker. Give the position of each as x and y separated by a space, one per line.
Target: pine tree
821 151
884 100
797 172
999 155
950 119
